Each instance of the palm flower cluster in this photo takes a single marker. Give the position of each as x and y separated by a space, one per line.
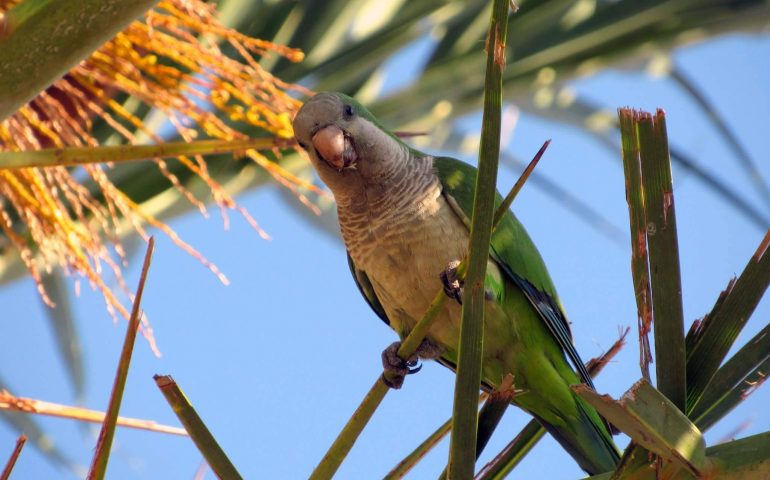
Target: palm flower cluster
171 62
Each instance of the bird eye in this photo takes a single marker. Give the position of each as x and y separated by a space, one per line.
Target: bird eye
302 145
348 111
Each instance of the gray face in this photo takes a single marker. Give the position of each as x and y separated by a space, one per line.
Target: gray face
322 128
348 151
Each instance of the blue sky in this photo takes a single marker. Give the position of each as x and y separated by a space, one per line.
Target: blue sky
276 362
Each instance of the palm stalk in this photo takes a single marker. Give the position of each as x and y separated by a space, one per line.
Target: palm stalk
736 379
104 442
652 421
74 156
405 465
639 257
659 426
744 459
511 196
12 403
513 453
710 339
38 438
200 434
490 415
649 194
462 446
6 473
342 445
663 256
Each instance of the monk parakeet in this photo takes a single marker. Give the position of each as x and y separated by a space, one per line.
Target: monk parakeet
404 217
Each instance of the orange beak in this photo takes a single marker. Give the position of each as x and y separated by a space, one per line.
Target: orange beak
330 144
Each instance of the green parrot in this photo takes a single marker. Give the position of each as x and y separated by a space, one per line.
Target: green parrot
404 218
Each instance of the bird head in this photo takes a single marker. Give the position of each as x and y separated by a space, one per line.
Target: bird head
349 149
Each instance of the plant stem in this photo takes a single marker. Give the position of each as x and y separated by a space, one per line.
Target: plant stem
462 449
342 445
31 406
709 343
663 245
490 415
508 200
405 465
104 442
6 473
500 466
73 156
639 260
200 434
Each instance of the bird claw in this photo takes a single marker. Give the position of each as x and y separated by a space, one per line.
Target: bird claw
396 369
453 287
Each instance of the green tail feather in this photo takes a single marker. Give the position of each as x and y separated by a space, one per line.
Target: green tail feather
584 439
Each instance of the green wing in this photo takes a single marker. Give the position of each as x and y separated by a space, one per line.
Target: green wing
366 289
516 255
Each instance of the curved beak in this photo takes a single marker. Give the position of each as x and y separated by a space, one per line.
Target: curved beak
333 146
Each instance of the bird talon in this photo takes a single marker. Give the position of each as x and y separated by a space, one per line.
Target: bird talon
413 368
453 287
396 368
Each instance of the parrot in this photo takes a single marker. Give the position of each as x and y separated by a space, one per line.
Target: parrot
404 219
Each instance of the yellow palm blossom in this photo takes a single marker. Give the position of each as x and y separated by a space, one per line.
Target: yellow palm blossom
171 62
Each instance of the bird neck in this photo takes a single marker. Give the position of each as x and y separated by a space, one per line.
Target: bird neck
408 196
402 178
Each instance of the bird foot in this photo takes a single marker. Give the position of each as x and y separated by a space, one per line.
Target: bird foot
453 287
396 369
